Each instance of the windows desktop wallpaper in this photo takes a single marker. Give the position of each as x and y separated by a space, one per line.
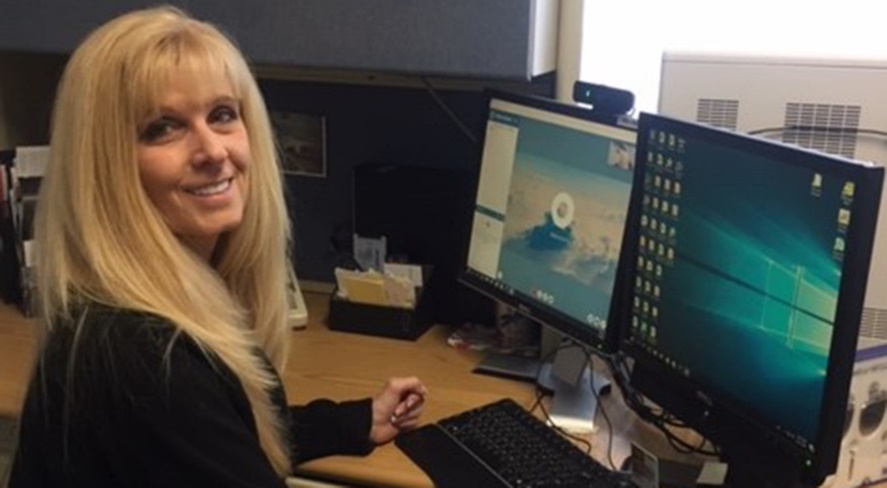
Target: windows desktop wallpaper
747 304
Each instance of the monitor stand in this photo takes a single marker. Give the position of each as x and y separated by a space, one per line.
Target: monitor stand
569 378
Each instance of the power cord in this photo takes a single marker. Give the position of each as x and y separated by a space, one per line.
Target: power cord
583 441
540 394
452 115
661 420
603 411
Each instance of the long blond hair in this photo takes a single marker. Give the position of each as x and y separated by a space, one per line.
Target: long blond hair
99 238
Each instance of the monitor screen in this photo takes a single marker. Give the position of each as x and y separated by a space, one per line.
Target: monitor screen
748 268
552 198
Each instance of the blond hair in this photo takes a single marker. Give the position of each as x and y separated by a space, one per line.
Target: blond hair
99 238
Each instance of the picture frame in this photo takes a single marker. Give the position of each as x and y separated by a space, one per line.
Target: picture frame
302 142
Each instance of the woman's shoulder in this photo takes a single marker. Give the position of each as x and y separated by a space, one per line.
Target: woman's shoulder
97 336
100 326
119 347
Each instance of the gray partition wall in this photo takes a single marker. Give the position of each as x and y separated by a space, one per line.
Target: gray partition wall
456 45
501 39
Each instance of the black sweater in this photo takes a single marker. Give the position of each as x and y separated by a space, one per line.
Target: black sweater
132 415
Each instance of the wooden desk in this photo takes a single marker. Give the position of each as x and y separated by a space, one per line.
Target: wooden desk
342 366
17 347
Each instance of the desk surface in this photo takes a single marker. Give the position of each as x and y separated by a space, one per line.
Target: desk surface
17 346
339 366
342 366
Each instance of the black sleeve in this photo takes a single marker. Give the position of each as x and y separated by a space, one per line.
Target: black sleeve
189 430
133 416
323 427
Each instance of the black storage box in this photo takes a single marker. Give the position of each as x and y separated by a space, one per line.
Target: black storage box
394 322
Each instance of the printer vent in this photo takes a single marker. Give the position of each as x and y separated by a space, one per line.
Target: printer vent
717 112
829 128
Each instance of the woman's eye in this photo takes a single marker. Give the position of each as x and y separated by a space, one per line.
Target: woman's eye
156 131
224 115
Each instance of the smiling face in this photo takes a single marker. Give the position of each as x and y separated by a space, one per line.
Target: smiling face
193 156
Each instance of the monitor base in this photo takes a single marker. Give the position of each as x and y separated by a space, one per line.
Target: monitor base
574 403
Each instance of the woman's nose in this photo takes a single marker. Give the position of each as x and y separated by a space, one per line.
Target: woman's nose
210 146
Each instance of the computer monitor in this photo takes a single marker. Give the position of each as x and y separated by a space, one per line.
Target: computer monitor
748 262
552 198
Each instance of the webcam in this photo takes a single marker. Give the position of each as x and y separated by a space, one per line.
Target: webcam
602 98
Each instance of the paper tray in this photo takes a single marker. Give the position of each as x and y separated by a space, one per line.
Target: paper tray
393 322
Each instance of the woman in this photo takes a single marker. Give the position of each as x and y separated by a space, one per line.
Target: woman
162 265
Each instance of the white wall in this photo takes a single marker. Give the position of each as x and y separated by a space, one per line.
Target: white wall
624 40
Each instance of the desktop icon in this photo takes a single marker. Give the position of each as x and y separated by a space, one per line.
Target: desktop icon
838 251
816 185
844 217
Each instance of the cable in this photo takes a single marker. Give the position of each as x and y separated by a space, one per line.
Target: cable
662 420
600 407
562 432
817 128
464 128
540 394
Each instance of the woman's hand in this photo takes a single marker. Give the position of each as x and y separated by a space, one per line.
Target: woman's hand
397 408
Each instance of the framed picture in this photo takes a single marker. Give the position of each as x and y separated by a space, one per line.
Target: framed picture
302 141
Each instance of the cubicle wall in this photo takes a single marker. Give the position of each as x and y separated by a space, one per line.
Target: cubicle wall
502 39
372 124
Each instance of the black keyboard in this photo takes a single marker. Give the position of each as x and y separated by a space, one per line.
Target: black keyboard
503 445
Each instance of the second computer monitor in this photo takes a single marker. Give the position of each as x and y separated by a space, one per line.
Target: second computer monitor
748 268
552 198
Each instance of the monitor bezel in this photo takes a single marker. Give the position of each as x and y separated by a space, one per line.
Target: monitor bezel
741 434
604 341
